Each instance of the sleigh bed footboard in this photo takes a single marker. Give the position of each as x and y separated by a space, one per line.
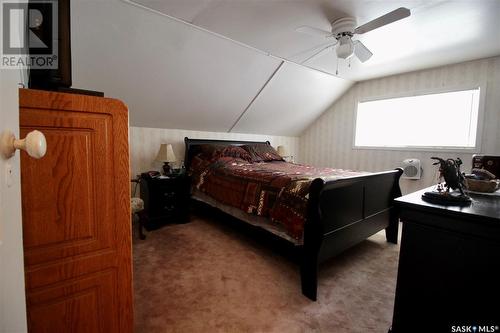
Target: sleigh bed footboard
343 213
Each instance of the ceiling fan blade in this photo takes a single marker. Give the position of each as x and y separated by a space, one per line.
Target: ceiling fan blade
319 53
314 31
393 16
361 51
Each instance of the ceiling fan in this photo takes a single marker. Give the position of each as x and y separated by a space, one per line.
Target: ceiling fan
345 28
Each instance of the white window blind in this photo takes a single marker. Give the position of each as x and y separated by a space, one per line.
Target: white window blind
444 120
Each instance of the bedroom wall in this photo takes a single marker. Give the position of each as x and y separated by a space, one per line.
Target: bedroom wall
12 296
329 140
145 142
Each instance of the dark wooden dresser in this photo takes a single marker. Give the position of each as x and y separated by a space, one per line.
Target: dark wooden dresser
449 266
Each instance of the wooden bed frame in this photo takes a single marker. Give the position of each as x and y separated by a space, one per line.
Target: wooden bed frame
341 213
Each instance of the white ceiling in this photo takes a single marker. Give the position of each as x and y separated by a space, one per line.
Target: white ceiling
438 32
172 75
234 68
290 111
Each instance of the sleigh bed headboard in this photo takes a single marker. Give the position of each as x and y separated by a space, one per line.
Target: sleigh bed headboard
192 146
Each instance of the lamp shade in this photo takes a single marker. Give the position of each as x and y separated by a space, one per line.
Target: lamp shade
281 151
166 153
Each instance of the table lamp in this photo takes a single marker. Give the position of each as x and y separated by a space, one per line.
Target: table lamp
166 155
282 151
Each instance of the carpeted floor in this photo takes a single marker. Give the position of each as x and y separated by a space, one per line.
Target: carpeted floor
208 276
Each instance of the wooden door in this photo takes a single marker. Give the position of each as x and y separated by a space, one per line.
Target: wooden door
76 214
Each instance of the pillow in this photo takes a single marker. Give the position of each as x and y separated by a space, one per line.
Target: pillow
237 152
208 151
213 151
262 152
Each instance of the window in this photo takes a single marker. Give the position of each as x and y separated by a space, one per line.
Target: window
444 120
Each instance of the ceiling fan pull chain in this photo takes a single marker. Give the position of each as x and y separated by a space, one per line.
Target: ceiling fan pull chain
337 70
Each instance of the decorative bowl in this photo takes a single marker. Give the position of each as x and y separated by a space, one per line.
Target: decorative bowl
485 186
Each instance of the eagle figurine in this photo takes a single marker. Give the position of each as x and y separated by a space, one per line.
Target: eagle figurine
449 169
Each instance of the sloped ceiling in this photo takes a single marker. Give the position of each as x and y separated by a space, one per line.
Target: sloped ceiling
317 92
235 65
173 75
438 32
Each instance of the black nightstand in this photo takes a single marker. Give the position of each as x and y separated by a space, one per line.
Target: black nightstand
166 200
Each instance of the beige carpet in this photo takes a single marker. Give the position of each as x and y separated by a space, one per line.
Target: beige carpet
207 276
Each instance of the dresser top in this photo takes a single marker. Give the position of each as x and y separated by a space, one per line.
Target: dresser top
485 206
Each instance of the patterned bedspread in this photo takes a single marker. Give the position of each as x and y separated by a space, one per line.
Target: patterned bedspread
277 190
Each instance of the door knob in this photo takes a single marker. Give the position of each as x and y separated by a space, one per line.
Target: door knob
34 144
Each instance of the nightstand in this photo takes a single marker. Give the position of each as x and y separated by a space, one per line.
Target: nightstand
166 200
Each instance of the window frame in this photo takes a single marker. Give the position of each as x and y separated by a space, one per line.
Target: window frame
422 92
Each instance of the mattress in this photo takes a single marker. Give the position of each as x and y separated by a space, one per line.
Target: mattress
275 192
255 220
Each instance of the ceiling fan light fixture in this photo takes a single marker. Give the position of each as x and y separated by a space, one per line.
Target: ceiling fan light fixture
345 49
345 28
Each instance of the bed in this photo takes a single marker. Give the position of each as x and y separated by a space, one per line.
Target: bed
321 215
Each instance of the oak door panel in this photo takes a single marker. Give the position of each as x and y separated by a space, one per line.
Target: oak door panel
76 214
65 186
66 175
80 305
